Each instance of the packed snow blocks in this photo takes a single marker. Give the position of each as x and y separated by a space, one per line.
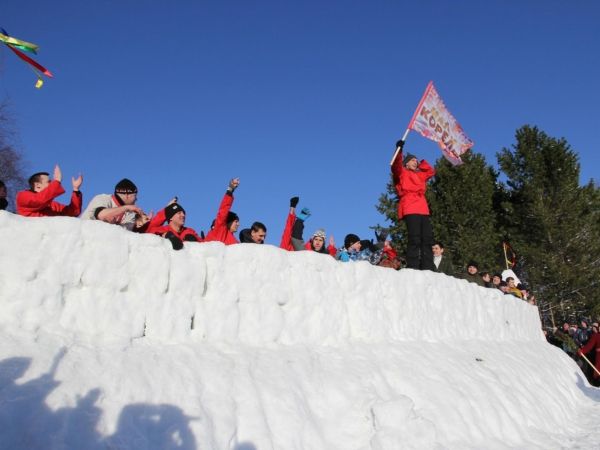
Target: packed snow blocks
110 339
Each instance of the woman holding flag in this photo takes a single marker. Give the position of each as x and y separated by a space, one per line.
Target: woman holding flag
410 180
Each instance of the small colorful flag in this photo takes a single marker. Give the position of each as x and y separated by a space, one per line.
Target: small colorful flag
19 47
433 121
509 252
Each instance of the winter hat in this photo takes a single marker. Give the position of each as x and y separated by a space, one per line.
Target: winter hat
320 233
231 216
407 158
125 186
173 209
350 239
473 263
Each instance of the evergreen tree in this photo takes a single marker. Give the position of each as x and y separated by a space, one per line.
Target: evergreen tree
461 199
551 221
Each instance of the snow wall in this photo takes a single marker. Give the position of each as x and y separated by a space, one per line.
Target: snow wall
110 339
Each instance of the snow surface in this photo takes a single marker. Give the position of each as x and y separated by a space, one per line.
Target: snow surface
112 340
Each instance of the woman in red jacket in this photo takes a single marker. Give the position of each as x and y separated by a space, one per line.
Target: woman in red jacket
227 222
410 179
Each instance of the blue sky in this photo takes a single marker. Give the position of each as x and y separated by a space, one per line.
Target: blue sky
296 98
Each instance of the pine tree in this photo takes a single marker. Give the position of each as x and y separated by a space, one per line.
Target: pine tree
552 221
461 199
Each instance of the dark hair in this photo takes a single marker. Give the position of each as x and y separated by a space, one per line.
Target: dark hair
256 226
509 278
438 243
2 185
483 274
35 178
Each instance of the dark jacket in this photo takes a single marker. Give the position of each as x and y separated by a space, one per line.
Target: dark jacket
445 265
473 278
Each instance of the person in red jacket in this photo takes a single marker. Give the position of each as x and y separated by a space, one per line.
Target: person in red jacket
175 230
410 179
38 201
227 222
292 239
593 344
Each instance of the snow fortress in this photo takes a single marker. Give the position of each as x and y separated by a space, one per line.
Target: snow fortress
110 339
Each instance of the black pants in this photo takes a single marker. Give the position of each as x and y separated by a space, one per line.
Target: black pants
420 240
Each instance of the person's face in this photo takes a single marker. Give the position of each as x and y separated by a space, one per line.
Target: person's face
356 246
2 192
39 186
486 277
178 219
128 199
496 280
472 270
412 164
258 236
510 283
566 327
437 250
318 243
233 227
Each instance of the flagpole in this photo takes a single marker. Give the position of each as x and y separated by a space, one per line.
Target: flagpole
412 119
398 148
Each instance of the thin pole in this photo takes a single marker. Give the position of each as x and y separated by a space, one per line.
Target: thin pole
505 258
588 361
398 148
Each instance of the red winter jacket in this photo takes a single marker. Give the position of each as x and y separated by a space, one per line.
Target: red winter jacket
286 238
411 185
156 226
220 232
593 343
41 204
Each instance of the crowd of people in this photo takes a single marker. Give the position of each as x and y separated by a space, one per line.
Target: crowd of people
410 180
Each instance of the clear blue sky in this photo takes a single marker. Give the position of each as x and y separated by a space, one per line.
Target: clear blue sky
296 98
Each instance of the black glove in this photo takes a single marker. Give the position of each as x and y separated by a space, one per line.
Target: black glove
190 238
294 202
202 235
400 144
175 241
382 236
4 203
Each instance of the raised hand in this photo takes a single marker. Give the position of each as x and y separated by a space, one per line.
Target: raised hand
76 182
57 173
233 184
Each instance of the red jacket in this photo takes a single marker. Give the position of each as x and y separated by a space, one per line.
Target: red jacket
593 343
411 186
220 232
286 238
42 204
156 226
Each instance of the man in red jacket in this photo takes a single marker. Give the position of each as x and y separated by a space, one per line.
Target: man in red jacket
38 201
410 179
175 230
227 222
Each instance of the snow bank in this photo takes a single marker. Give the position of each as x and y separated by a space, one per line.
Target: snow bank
113 340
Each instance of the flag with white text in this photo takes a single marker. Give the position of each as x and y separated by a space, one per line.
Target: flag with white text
433 121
